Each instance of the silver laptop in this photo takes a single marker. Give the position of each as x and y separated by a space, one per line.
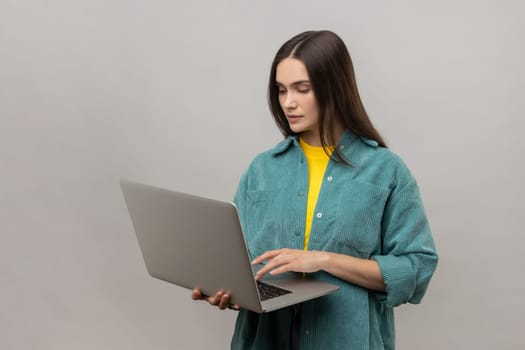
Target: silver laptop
196 242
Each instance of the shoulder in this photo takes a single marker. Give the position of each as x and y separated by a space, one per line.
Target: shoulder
273 155
367 153
384 157
378 165
273 163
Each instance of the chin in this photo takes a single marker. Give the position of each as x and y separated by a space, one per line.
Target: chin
296 129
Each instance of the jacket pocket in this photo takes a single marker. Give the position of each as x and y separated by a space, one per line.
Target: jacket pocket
359 214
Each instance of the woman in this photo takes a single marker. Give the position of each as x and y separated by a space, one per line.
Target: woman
331 201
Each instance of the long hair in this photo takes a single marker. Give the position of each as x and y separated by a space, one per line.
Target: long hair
332 78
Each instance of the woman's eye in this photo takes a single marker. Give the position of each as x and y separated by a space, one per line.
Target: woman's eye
282 92
303 91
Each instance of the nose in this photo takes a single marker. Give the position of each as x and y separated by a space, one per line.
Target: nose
289 101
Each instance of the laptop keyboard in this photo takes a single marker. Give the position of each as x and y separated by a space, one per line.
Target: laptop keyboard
267 291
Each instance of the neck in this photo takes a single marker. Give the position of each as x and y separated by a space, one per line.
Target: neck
314 139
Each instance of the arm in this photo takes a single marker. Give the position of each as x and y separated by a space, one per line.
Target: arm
408 258
361 272
402 270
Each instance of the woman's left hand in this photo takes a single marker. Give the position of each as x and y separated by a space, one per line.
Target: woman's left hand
284 260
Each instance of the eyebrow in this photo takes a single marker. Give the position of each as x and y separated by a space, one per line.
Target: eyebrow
295 83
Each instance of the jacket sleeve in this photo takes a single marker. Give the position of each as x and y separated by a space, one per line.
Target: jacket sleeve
408 259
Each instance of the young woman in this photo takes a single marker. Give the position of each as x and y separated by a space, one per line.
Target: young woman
333 202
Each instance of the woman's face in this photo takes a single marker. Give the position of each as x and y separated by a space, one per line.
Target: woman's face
297 99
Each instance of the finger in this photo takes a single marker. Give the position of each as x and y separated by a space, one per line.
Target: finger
271 265
215 300
224 301
282 269
262 272
265 256
196 294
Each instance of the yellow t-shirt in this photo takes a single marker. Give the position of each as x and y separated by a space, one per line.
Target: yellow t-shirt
317 160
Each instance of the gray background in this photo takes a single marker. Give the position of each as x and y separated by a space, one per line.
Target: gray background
173 94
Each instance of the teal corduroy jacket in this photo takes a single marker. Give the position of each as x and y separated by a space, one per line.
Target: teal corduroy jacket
370 210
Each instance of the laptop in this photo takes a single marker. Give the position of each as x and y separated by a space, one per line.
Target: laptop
197 242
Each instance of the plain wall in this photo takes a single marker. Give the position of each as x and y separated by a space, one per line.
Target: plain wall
173 93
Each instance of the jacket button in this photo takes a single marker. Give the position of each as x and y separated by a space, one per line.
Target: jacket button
301 194
329 178
319 215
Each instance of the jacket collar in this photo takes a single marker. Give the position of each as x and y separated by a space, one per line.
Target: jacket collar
284 145
344 143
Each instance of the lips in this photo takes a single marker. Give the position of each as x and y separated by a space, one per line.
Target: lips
292 117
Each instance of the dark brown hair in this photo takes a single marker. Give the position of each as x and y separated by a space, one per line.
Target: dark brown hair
332 78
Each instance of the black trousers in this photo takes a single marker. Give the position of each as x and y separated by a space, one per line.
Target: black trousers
295 329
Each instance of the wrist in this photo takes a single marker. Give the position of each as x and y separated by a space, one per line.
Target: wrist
324 260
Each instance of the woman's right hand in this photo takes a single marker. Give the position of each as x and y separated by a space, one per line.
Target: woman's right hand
220 299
